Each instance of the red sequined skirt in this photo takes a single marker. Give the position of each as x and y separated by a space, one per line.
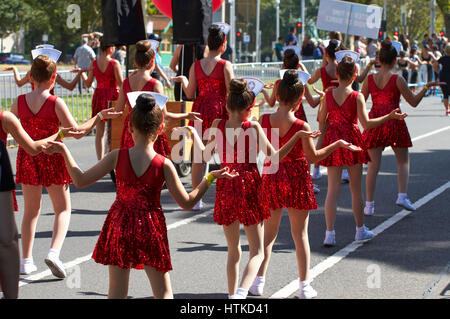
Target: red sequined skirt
161 145
132 236
210 107
344 157
290 187
240 198
101 99
42 169
392 133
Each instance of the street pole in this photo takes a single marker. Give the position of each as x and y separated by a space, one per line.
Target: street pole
278 18
233 28
433 16
303 21
258 35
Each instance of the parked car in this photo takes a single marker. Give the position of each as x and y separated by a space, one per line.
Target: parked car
17 59
3 57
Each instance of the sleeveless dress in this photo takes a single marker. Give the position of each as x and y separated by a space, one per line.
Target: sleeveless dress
343 124
212 95
327 80
107 88
161 145
291 185
5 169
135 233
41 169
239 199
393 132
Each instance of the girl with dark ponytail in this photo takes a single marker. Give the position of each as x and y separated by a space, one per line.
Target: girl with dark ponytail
242 200
211 76
386 89
134 234
291 185
341 109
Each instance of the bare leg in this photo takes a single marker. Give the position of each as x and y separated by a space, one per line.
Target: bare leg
234 255
334 184
299 230
118 282
32 197
402 155
160 282
99 136
9 248
271 227
355 176
60 196
255 234
372 172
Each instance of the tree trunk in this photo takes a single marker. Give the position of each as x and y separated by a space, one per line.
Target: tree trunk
447 24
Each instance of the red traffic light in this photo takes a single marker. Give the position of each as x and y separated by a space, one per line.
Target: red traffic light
396 33
380 33
238 34
299 24
442 33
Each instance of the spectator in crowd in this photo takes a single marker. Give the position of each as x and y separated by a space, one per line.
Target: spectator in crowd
319 51
120 54
415 46
279 46
372 48
403 39
360 47
291 39
83 57
437 41
307 48
228 54
158 72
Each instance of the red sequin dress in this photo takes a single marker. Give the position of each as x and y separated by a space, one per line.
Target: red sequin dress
4 138
212 95
242 198
343 124
393 132
327 80
135 233
161 145
107 88
290 184
41 169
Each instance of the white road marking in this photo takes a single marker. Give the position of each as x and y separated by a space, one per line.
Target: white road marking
80 260
320 268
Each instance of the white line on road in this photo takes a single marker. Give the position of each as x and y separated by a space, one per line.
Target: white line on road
320 268
80 260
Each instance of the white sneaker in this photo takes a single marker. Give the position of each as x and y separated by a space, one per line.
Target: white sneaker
330 239
198 206
1 295
316 173
369 210
236 296
27 268
406 204
364 234
240 294
56 266
257 287
345 176
306 292
316 189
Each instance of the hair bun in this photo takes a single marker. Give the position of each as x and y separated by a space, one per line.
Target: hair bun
291 77
145 102
214 30
143 46
386 44
238 86
41 62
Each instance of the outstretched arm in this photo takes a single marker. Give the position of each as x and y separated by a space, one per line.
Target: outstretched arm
19 81
410 97
68 85
189 86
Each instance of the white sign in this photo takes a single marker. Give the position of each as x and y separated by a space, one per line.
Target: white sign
349 18
246 38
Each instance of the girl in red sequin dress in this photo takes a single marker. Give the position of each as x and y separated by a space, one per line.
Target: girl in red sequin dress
41 115
141 80
328 76
291 185
291 62
211 76
134 234
386 88
342 107
108 74
241 200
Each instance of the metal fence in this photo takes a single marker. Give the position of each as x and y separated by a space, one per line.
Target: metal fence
79 100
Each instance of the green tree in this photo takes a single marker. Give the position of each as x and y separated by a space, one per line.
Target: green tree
444 6
13 13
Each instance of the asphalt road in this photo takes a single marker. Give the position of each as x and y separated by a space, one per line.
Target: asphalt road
409 257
